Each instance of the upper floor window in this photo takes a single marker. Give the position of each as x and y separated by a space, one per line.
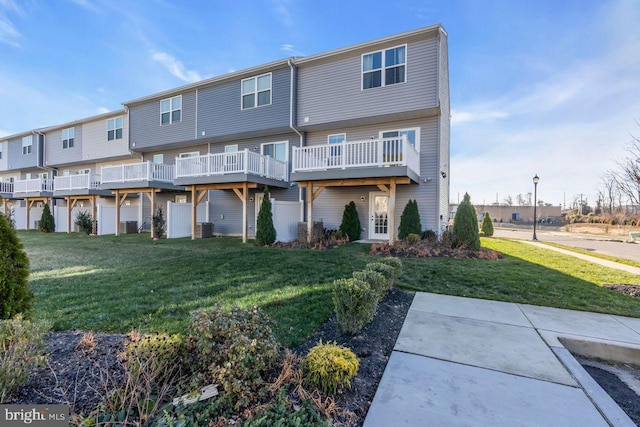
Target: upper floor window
276 150
27 144
383 68
114 128
256 91
171 110
67 137
412 135
188 154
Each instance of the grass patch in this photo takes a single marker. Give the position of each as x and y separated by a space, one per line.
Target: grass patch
527 274
114 284
626 261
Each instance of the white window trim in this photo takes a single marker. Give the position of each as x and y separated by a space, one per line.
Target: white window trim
153 158
384 67
256 91
170 110
68 138
66 172
286 149
188 154
115 128
29 145
84 172
344 135
417 130
234 146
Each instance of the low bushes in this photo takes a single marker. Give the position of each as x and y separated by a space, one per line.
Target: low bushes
356 299
21 350
330 366
355 303
235 350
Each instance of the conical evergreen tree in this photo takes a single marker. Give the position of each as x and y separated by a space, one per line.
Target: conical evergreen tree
410 220
465 226
487 225
350 225
15 295
265 231
47 223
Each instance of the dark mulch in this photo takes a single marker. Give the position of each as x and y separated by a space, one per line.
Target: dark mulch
425 249
626 398
630 290
79 375
75 375
373 346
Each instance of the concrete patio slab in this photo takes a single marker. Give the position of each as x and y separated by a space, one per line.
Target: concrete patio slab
421 391
470 308
506 348
583 323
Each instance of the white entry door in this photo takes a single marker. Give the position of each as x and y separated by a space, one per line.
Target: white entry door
378 216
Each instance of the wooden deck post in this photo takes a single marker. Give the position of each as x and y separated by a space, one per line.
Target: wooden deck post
309 210
243 194
94 214
392 211
117 212
29 203
152 197
68 199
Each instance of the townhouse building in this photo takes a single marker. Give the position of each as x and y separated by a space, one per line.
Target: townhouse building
367 123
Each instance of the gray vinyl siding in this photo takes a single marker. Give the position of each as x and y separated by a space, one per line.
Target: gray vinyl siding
169 156
56 155
146 131
331 90
226 209
4 148
95 144
330 204
220 111
16 160
444 122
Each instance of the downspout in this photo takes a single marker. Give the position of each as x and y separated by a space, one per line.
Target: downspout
293 104
44 152
132 152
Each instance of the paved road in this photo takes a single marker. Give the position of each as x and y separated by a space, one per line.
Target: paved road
595 244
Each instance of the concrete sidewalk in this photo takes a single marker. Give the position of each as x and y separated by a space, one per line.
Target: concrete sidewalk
595 260
469 362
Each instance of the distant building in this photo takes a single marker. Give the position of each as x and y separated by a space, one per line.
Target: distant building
516 214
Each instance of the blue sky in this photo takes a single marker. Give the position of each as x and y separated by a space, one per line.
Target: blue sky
546 87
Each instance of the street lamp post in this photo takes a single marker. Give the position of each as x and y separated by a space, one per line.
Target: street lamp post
535 204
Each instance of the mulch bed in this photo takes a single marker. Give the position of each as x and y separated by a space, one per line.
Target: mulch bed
78 375
425 249
630 290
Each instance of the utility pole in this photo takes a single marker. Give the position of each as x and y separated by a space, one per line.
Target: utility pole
580 204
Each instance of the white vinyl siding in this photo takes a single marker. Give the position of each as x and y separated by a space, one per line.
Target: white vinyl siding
256 91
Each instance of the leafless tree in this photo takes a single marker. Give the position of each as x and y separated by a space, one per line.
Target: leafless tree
521 200
508 201
609 191
627 176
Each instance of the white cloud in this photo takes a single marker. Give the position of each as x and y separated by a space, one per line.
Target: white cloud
91 6
291 49
458 117
283 10
102 110
175 67
9 34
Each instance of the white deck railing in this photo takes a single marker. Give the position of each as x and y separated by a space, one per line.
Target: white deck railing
245 161
144 171
6 187
36 185
77 182
369 153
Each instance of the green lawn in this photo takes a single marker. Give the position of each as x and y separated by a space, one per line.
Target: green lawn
110 283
